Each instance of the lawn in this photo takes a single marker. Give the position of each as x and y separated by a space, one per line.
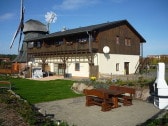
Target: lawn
42 91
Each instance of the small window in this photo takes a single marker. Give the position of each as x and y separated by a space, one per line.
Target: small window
59 42
127 42
117 66
82 40
30 45
117 40
77 67
38 44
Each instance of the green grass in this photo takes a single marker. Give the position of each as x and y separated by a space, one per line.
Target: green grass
42 91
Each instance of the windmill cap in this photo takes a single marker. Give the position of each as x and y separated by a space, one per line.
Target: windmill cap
34 25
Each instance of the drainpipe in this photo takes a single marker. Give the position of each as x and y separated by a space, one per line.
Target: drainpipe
141 50
90 48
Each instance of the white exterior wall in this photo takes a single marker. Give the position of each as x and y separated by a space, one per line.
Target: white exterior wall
51 65
107 63
83 72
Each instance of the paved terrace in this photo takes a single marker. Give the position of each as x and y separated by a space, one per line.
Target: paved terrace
75 112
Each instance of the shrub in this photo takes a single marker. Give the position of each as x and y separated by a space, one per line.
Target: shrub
26 110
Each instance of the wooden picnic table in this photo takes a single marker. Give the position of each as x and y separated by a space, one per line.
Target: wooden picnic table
113 94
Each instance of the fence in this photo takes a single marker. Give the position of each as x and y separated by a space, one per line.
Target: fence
149 76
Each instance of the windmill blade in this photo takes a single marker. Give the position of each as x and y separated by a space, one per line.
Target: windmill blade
20 38
20 28
21 12
14 37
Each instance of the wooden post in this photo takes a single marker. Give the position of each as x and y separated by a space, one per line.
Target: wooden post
43 63
64 59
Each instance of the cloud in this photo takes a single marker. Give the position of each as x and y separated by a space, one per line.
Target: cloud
75 4
6 16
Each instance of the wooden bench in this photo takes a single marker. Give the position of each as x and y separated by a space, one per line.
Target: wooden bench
127 97
95 97
5 84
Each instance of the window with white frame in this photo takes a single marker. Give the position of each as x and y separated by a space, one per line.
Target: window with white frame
117 66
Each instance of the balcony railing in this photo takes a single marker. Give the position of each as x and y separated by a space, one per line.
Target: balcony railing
68 47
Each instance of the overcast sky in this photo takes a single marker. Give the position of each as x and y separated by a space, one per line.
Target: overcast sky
148 17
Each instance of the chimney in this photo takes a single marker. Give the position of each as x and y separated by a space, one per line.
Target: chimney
161 88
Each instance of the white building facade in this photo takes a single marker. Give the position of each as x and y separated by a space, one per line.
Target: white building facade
112 48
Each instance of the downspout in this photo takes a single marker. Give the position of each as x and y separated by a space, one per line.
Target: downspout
141 53
90 48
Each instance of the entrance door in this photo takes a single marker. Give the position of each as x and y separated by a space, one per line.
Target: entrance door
94 71
60 69
126 67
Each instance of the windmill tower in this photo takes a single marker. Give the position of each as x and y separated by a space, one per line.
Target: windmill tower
30 29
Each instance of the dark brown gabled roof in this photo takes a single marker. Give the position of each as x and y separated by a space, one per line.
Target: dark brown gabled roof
88 29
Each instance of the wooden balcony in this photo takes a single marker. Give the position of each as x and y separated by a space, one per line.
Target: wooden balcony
65 48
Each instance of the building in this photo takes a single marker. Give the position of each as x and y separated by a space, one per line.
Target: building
155 59
32 28
107 48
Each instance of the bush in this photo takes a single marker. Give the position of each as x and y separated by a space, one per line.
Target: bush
26 110
157 122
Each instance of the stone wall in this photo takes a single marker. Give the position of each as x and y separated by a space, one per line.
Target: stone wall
140 93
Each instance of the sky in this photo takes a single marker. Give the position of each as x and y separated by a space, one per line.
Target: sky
148 17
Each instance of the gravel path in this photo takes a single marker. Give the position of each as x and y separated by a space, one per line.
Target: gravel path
75 112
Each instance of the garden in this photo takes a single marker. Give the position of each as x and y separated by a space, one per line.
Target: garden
25 93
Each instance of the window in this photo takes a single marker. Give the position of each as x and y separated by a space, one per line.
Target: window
69 42
30 45
35 44
127 42
117 66
117 40
82 40
77 67
59 42
38 44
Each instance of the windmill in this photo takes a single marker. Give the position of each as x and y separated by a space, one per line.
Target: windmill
20 27
30 29
50 17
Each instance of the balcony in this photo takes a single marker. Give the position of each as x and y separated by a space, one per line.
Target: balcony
64 48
